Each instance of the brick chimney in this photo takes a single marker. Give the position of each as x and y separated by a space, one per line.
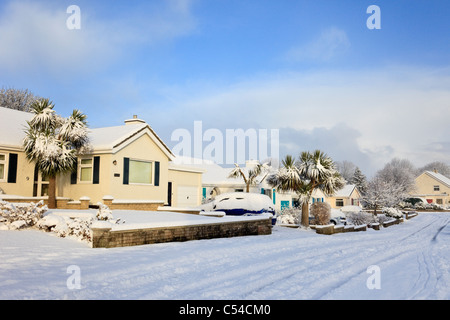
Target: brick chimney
134 120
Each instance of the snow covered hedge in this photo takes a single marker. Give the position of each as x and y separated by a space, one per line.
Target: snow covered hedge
289 216
77 227
18 216
392 212
13 217
361 218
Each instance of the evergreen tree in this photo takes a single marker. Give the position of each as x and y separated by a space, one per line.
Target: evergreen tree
312 171
252 175
360 180
53 142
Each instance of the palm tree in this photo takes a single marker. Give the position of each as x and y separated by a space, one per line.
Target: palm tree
53 142
253 173
312 171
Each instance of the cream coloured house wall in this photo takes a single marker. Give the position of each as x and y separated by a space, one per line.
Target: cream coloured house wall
24 174
432 189
350 198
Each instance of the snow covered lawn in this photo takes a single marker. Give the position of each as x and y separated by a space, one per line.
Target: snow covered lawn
412 261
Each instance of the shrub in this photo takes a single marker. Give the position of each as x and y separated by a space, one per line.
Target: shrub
321 213
290 216
392 212
18 216
361 218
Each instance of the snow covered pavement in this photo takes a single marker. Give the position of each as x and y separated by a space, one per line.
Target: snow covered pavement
412 261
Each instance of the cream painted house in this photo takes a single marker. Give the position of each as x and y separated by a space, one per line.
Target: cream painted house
433 187
347 196
128 162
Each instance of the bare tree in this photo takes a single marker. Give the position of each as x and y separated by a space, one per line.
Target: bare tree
346 169
381 193
438 166
17 99
399 172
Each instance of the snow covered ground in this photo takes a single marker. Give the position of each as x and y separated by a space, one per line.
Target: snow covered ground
412 262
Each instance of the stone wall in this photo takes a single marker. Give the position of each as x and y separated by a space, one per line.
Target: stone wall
107 238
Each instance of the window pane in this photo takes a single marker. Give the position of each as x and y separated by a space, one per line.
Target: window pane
2 157
86 174
2 171
140 172
86 161
44 190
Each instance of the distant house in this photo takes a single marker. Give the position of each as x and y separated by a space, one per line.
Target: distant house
433 187
128 162
349 195
215 181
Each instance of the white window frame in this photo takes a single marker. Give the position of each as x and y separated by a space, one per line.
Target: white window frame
152 177
4 163
84 166
436 188
340 200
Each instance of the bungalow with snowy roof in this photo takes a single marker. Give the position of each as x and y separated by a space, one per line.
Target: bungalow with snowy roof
128 163
349 195
433 187
216 181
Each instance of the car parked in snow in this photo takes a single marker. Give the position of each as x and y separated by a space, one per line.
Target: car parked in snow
242 204
337 217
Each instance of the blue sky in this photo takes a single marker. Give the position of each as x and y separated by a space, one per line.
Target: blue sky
311 69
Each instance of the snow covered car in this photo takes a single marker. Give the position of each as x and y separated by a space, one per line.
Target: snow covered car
242 204
337 217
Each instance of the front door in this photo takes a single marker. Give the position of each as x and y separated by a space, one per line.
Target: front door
169 194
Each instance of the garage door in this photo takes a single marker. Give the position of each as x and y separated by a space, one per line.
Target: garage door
187 196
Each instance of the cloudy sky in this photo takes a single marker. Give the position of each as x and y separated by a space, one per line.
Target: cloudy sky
311 69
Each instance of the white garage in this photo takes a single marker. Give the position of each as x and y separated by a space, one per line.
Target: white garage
187 196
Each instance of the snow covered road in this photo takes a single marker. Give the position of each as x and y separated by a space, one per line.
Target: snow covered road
412 262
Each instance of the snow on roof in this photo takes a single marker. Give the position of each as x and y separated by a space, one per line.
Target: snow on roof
346 191
109 137
12 126
439 177
214 174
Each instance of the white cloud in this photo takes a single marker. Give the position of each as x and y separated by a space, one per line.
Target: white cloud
331 43
34 35
390 112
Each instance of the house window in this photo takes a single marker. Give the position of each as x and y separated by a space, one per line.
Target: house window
86 170
436 188
339 202
238 190
439 201
2 166
140 172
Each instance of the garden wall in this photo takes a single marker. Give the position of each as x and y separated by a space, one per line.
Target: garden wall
108 238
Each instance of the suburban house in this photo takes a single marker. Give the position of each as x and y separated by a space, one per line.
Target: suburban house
127 164
433 187
347 196
215 181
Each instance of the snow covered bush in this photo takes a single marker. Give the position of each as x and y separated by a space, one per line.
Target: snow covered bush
289 216
79 228
428 206
392 212
18 216
321 213
104 213
360 218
